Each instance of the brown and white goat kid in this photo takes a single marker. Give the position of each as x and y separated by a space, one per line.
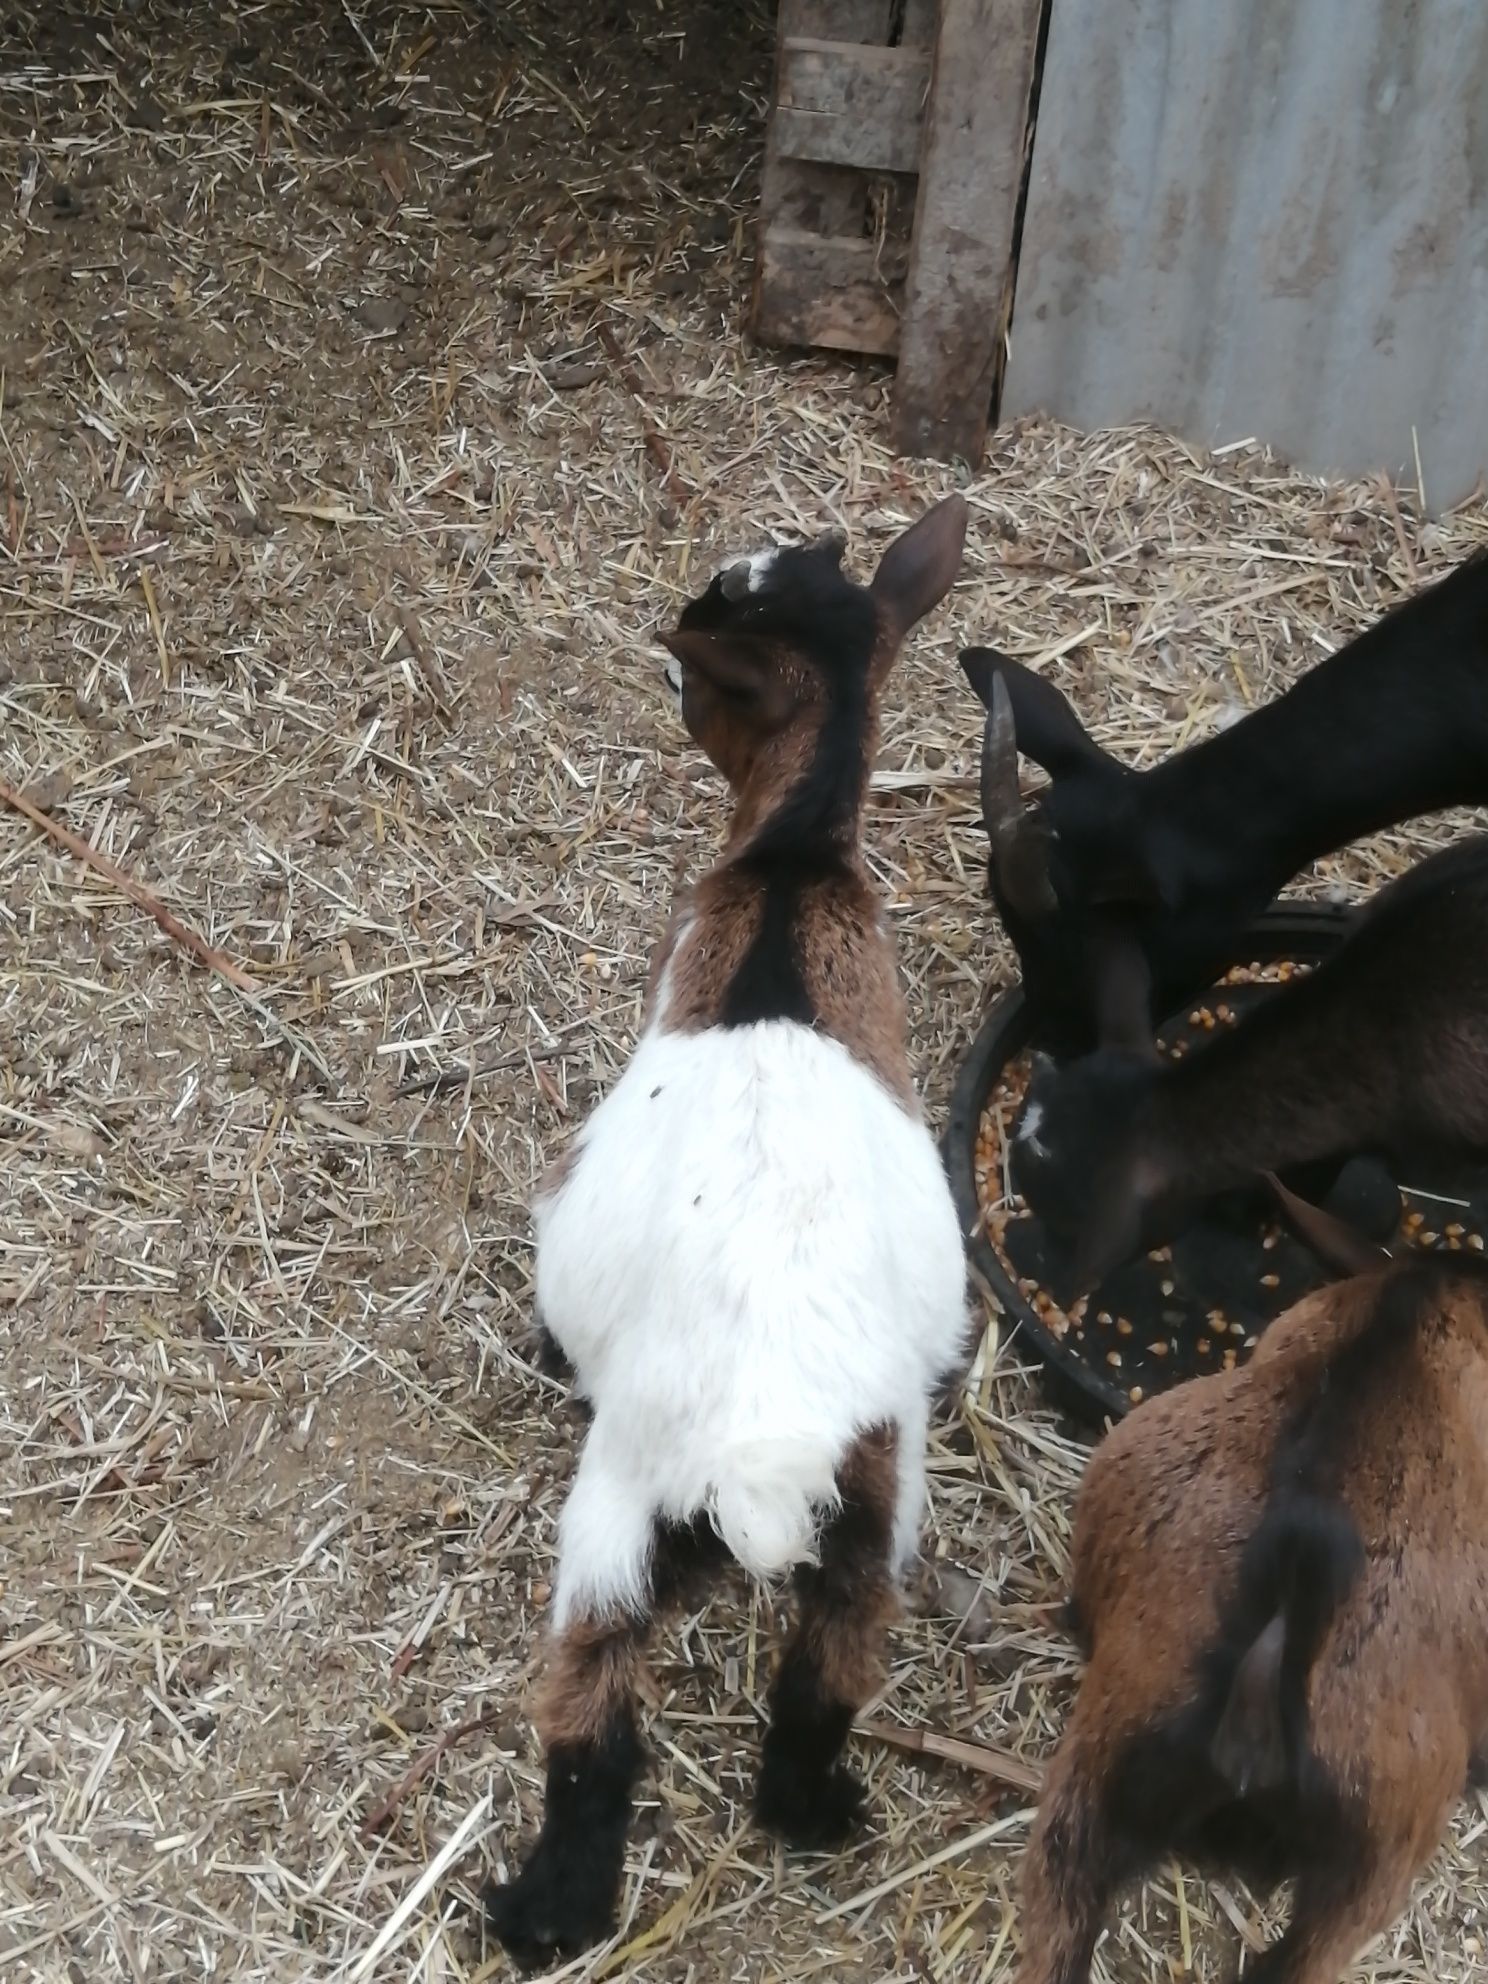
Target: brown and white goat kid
750 1257
1281 1579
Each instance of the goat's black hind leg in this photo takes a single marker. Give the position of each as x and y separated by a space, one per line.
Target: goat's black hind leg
548 1354
1333 1916
564 1898
831 1664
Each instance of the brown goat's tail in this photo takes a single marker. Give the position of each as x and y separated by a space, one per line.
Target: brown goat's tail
1297 1570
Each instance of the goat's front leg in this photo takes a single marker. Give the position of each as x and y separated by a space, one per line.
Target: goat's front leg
832 1662
564 1898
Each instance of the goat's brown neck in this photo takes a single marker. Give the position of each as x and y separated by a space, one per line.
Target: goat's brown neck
841 953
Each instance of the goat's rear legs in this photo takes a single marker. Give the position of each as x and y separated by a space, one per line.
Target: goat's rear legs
564 1898
1334 1915
831 1663
1075 1861
1340 1907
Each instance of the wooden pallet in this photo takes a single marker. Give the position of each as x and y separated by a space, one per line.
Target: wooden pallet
893 165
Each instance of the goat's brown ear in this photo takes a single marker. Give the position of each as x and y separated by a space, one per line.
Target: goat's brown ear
1113 1228
736 666
1337 1244
1048 729
920 566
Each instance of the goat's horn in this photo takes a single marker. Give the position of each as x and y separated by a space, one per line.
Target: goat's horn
1341 1246
1002 803
1019 846
834 540
735 580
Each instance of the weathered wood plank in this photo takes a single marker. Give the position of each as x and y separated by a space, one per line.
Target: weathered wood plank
959 284
837 20
829 199
838 104
833 291
917 30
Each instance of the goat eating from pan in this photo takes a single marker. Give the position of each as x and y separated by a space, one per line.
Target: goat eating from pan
750 1256
1384 1048
1280 1576
1125 892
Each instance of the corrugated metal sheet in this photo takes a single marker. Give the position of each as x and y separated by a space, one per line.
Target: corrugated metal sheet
1268 218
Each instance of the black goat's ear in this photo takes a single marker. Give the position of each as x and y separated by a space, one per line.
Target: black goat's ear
1048 729
1108 1238
737 666
1125 879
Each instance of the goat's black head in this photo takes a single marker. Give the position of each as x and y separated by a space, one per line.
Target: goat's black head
1077 876
782 640
1081 1159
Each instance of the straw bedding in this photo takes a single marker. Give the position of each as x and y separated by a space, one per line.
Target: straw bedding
373 383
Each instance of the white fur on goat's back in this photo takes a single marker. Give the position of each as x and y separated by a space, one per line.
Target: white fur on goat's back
753 1259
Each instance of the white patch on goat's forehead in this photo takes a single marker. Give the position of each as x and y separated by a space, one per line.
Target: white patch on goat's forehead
760 564
1028 1129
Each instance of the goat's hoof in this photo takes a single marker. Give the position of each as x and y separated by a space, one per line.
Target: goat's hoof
549 1355
540 1920
810 1810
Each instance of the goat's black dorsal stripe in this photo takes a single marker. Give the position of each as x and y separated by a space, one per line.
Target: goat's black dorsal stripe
805 607
819 814
802 844
769 983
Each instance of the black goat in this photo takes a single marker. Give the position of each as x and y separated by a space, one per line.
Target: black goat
1115 878
1383 1047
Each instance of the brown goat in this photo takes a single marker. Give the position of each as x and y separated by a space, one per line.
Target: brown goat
1281 1579
1383 1047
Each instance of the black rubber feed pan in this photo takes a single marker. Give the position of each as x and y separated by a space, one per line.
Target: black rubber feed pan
1198 1304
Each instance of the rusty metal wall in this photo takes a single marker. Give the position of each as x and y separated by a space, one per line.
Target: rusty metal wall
1264 218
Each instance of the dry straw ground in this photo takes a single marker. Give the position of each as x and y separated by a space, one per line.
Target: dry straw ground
373 382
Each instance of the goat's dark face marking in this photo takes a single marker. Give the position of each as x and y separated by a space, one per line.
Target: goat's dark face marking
762 651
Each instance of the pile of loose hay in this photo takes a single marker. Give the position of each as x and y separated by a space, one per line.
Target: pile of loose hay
372 385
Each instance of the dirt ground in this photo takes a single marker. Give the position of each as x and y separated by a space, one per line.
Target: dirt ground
374 380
